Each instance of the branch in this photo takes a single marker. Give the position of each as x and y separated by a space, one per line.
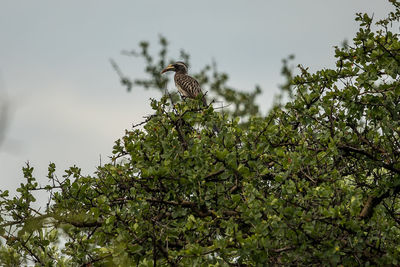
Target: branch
148 118
389 167
279 250
204 212
212 175
374 201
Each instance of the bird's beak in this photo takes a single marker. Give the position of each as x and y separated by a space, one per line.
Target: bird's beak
168 68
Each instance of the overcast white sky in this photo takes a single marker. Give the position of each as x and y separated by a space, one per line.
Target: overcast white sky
67 105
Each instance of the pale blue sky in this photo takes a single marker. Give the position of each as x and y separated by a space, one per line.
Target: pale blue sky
67 104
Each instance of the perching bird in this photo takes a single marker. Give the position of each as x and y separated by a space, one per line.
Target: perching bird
187 86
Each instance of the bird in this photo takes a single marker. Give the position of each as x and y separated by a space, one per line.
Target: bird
187 85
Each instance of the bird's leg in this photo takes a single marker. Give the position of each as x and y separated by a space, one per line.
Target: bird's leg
182 96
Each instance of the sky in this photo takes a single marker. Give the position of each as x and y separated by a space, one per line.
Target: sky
65 102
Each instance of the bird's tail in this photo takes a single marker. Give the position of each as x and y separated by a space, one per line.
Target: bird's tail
204 101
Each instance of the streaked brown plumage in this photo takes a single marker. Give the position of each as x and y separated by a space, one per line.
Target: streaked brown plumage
187 85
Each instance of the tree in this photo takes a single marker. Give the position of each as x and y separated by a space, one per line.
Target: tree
316 181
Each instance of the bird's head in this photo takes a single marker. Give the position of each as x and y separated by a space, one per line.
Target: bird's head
178 67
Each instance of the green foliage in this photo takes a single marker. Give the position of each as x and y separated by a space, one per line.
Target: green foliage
315 182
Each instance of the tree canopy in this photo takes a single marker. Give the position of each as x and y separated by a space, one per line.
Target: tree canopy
315 181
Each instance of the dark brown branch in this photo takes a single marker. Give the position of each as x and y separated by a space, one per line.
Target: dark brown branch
212 175
389 167
203 212
279 250
374 201
90 263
